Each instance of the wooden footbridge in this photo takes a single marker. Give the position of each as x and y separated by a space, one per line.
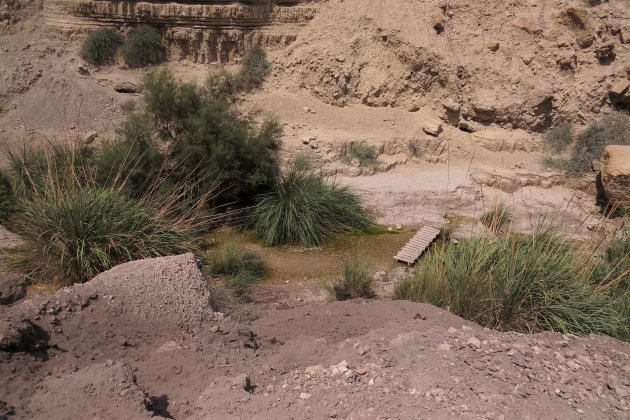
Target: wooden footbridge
417 245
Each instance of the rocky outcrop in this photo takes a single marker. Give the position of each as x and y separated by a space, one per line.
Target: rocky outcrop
500 140
615 173
205 32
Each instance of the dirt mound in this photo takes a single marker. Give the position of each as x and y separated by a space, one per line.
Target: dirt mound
104 390
373 359
519 64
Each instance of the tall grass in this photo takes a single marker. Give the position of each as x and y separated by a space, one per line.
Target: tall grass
73 233
75 225
357 280
242 267
523 283
7 202
304 208
497 218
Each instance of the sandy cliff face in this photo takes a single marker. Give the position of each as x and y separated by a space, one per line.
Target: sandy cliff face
204 32
525 64
521 64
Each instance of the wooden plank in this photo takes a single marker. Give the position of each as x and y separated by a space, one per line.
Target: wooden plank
413 249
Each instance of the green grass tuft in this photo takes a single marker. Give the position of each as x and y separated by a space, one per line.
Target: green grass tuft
498 218
304 208
242 267
357 281
73 233
366 154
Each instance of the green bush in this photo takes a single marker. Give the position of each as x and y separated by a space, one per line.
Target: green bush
364 153
558 139
497 218
243 268
588 145
304 208
254 68
521 283
357 281
100 46
210 144
143 46
72 233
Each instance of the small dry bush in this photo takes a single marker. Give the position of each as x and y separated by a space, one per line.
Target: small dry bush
100 46
254 68
366 154
143 46
585 147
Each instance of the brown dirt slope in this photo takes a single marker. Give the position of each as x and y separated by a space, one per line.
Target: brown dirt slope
97 350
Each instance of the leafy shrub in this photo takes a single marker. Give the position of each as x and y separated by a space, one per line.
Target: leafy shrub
244 268
209 141
497 218
100 46
357 280
143 46
364 153
254 69
73 233
558 139
526 284
304 208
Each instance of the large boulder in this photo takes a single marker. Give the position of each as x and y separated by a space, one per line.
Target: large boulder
615 171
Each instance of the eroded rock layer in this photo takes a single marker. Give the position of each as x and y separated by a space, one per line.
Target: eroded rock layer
214 31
